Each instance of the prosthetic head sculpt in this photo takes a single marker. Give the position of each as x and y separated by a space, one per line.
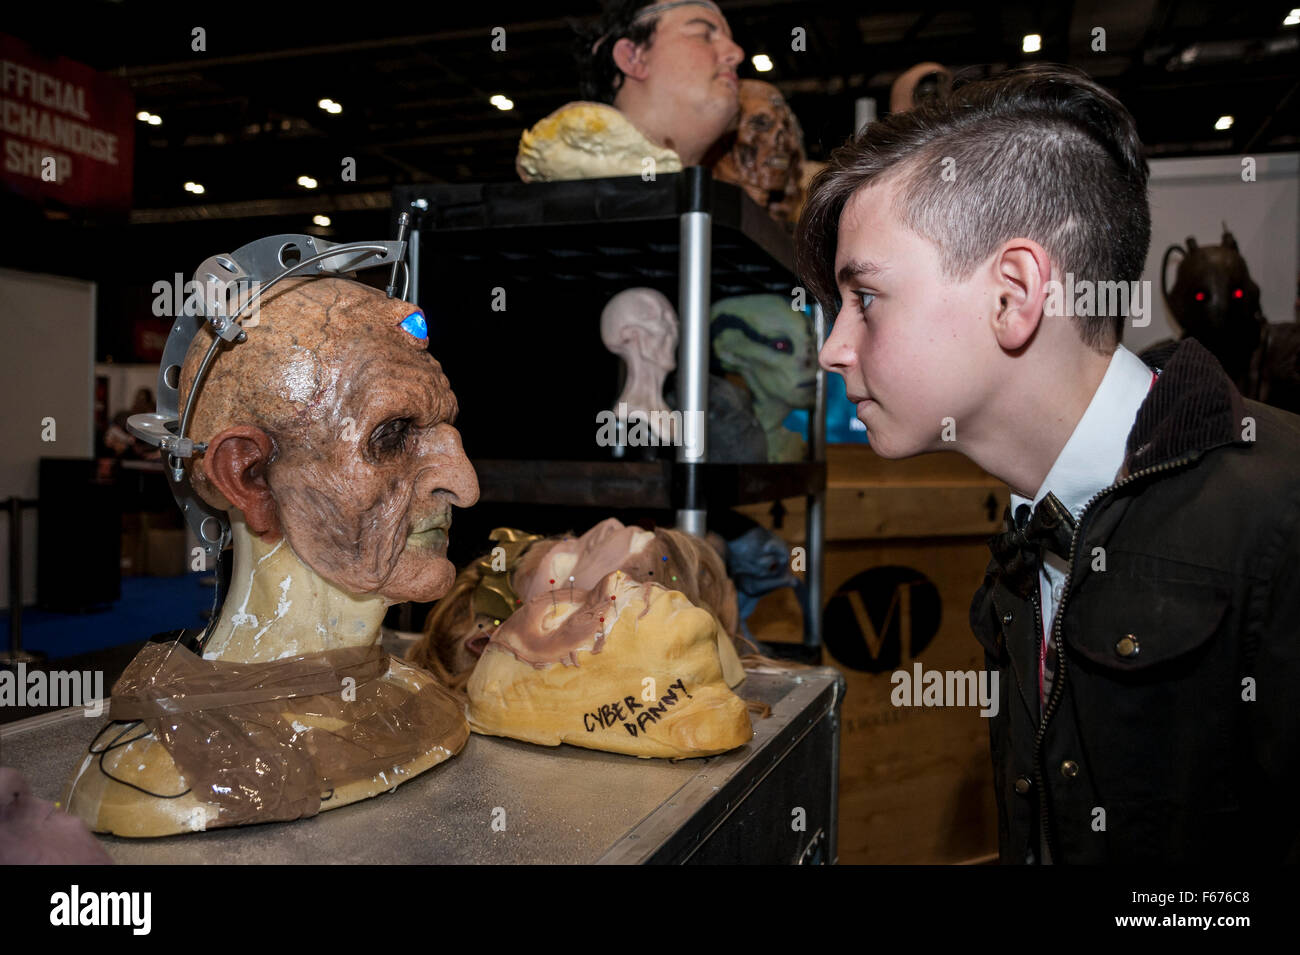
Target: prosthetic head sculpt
332 427
768 152
324 431
920 83
760 338
1215 301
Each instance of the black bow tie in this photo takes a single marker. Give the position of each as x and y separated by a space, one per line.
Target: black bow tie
1019 548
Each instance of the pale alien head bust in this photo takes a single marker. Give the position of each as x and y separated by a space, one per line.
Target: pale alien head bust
640 326
330 443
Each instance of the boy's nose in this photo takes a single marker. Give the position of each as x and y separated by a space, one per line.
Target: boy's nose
837 353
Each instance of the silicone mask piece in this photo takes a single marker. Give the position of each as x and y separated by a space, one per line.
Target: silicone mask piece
458 628
624 667
583 140
760 338
640 326
331 447
768 152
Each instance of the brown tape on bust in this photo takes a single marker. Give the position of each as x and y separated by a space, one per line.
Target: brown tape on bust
264 741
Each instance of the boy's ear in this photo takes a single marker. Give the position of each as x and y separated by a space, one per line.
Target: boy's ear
630 58
1022 271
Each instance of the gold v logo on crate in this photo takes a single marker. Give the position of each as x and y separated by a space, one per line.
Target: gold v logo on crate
881 618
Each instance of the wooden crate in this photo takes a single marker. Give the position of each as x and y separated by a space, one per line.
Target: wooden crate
905 553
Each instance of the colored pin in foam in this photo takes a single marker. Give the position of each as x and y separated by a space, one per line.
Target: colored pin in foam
554 606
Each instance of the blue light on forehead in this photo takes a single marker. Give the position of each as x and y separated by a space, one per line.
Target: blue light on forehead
415 326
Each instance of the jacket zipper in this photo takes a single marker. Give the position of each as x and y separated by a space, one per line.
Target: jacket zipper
1058 681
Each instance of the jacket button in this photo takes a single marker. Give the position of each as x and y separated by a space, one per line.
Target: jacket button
1127 646
1069 769
1024 784
1007 618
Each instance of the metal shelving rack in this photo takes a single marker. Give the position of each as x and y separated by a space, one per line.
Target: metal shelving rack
628 231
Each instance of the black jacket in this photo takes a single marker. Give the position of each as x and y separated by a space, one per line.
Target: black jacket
1172 732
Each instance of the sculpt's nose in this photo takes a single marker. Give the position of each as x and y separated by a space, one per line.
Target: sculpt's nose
452 474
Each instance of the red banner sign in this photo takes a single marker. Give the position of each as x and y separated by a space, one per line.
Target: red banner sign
66 132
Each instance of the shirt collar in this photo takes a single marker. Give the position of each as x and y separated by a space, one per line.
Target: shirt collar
1094 455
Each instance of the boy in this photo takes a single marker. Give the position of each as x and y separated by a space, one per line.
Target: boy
1142 608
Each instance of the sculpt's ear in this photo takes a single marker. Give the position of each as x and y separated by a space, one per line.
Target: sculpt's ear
235 463
630 58
1021 271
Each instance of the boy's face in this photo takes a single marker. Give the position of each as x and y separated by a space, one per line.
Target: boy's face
912 346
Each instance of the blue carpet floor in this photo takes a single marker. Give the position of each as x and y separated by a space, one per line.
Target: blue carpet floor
149 605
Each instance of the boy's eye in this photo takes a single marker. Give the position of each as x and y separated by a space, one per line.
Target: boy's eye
865 299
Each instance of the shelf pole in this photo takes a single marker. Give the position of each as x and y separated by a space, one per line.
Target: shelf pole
816 510
413 262
696 241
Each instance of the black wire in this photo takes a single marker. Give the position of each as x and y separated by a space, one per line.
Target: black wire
117 742
218 596
130 725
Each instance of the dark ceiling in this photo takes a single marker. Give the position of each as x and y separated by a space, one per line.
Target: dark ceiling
242 117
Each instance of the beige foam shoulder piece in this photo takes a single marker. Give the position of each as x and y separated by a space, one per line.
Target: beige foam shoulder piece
659 685
108 806
585 140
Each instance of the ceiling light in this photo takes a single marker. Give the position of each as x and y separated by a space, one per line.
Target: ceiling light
1032 43
195 188
143 116
307 182
320 220
762 62
1292 18
501 102
1223 122
330 106
155 120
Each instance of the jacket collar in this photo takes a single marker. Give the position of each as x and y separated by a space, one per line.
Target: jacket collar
1193 407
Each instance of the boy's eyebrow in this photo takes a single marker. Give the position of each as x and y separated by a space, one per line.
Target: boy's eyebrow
856 268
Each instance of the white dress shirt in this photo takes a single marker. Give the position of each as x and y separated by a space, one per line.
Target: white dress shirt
1090 461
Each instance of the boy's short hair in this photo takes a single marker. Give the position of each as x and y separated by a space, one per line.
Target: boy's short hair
599 77
1040 152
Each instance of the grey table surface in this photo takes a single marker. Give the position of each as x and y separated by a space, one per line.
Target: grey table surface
561 804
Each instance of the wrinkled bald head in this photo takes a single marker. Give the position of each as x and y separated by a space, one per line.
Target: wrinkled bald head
332 426
640 325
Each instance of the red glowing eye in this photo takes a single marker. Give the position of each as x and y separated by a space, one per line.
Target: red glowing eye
1200 296
1237 293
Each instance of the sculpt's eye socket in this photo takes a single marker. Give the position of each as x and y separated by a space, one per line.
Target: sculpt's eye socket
391 437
